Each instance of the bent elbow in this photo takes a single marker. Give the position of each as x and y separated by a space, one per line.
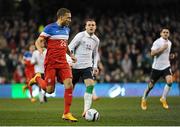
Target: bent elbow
152 54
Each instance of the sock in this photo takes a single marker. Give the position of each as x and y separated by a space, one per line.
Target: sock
67 100
89 89
166 91
42 83
41 98
146 92
88 97
30 91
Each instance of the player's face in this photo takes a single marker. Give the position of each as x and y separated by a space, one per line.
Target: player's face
32 48
66 19
90 27
165 33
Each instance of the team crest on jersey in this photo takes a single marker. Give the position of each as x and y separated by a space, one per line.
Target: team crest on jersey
49 80
88 47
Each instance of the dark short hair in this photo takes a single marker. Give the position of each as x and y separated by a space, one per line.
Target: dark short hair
62 12
89 19
164 28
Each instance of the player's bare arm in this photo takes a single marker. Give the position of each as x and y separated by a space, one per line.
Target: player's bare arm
95 71
38 44
159 51
74 59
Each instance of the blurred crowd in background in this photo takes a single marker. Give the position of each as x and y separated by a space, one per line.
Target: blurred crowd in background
125 37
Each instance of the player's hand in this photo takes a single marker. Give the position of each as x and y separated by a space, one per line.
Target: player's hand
172 56
95 71
74 59
165 46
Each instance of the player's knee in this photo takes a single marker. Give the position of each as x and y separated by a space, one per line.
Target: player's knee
89 82
49 89
169 81
68 85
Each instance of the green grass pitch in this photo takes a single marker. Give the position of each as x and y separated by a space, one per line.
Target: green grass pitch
122 111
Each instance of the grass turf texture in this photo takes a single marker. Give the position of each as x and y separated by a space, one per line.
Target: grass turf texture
118 111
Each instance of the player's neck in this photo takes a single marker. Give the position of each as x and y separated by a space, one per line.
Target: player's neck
165 38
59 23
90 34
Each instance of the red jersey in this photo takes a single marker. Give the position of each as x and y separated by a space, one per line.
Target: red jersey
29 68
57 37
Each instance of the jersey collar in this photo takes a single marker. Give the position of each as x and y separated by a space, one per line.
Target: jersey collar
164 39
88 34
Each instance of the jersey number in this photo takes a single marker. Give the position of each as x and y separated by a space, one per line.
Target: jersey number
63 44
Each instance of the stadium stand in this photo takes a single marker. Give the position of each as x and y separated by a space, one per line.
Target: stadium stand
126 30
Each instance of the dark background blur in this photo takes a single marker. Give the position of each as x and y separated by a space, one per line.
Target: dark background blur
126 28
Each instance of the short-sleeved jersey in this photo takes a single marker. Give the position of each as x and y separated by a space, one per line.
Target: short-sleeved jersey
57 37
27 60
161 61
85 48
38 59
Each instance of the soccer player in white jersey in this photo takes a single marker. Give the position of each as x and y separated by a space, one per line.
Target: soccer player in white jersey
38 61
160 68
85 47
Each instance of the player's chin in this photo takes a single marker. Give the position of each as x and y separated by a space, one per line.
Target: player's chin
68 23
91 31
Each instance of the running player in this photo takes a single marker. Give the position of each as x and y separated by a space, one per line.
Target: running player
56 36
160 68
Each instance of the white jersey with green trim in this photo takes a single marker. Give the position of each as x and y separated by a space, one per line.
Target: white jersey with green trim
85 48
161 61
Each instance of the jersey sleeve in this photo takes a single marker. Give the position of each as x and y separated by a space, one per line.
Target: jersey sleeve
155 45
75 42
96 56
46 32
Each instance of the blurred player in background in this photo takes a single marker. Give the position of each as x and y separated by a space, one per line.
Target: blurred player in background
56 35
29 69
160 68
38 61
85 47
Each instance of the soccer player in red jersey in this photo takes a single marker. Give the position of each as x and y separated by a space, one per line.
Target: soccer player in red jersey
29 69
56 36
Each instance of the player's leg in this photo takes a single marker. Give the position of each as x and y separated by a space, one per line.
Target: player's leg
66 77
167 87
94 95
76 74
45 97
41 99
49 82
42 93
155 75
89 82
29 75
42 96
148 89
